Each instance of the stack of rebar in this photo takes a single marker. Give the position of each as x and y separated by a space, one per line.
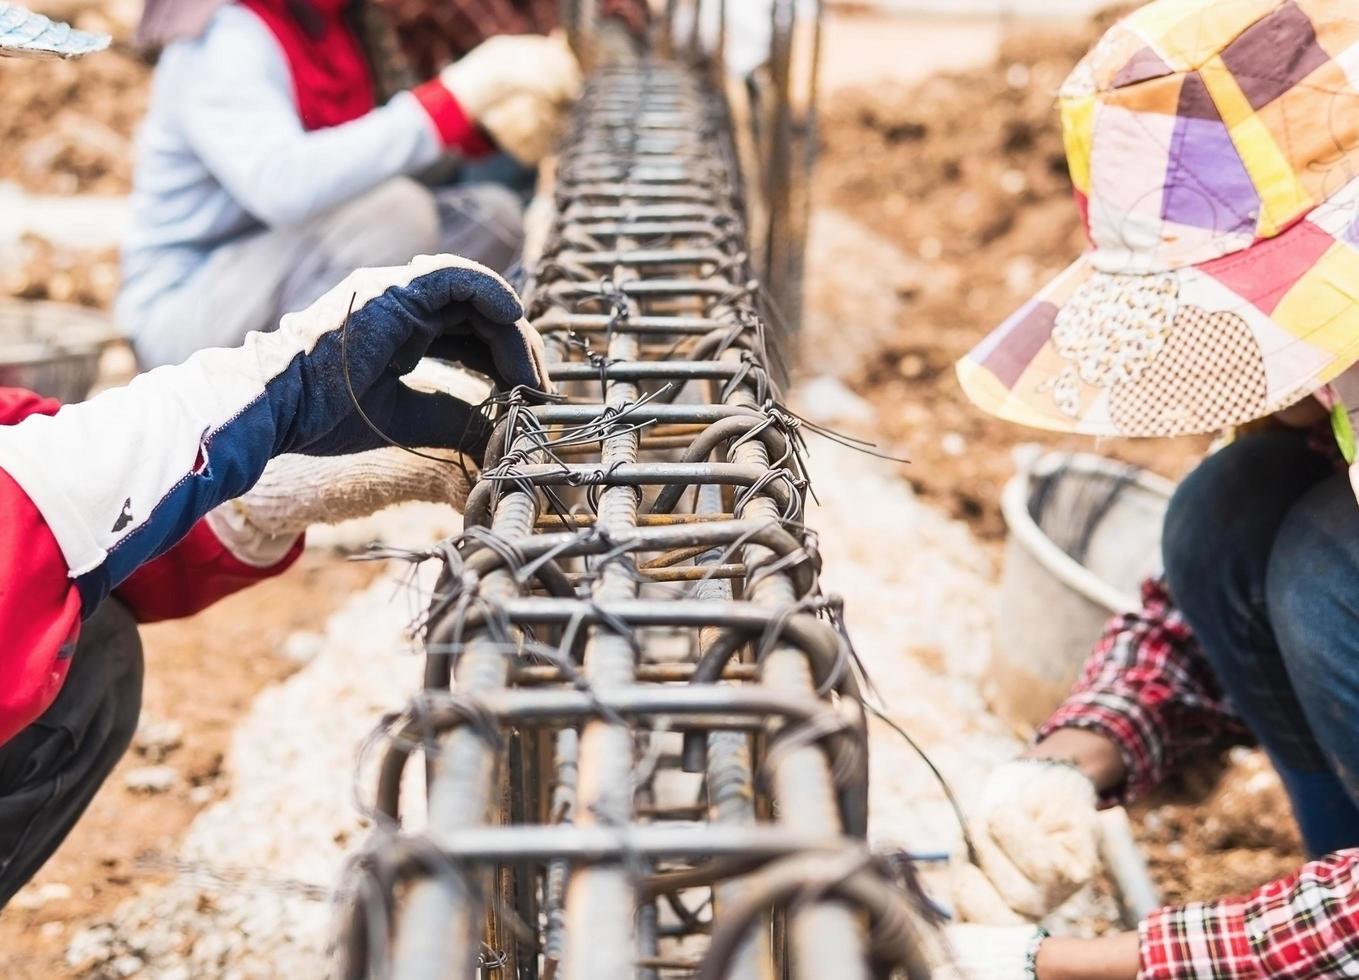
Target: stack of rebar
644 746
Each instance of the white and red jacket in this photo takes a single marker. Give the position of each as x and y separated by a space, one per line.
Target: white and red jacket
40 605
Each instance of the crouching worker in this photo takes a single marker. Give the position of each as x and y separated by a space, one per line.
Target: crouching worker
138 504
1221 288
266 170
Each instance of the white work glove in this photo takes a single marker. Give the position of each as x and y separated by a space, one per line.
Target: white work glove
509 65
990 953
1037 839
525 126
297 491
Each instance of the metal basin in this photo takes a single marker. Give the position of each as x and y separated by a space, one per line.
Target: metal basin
52 348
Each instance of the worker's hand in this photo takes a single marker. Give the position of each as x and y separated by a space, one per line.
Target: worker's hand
989 953
296 492
525 126
1037 840
508 66
123 477
441 306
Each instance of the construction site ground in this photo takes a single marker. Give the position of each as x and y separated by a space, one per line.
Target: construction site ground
941 201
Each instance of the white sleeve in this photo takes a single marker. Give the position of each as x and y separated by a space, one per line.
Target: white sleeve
237 110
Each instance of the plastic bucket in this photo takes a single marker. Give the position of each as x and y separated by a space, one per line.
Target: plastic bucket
1084 532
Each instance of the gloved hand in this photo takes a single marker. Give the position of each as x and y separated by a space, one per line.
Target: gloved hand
511 65
1037 839
525 126
440 306
121 478
296 492
990 953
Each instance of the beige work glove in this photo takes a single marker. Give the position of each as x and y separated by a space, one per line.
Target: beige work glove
989 953
525 126
1037 837
509 66
296 492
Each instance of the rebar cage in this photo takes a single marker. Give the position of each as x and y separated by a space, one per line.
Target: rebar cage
645 749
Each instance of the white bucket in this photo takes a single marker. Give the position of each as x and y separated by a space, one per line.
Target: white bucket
1084 532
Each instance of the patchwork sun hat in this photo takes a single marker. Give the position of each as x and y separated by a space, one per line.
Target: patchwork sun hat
1214 148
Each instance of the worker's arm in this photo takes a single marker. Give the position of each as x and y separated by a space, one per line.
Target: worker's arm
235 105
1303 927
1147 695
94 492
204 567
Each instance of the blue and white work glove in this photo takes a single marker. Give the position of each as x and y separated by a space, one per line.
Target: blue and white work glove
121 478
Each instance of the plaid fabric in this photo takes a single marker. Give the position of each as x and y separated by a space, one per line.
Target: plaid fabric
1214 149
1148 688
1300 927
435 32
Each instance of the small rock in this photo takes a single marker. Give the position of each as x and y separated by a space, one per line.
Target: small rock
127 966
202 795
36 896
912 366
90 947
156 738
50 931
953 444
1014 183
303 647
150 779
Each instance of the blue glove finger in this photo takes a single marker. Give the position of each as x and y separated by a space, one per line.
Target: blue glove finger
395 414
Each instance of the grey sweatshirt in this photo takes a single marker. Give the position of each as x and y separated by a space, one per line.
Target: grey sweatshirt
222 153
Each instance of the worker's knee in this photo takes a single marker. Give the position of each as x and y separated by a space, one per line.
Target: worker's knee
388 225
482 222
1223 520
1313 584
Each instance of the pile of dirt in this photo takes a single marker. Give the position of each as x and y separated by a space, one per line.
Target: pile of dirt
966 173
67 126
36 269
1219 830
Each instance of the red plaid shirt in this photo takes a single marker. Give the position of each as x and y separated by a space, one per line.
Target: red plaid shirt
1148 687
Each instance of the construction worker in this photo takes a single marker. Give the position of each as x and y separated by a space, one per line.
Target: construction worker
1214 149
147 503
153 501
266 169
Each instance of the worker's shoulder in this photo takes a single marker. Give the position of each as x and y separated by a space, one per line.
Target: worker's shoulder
234 42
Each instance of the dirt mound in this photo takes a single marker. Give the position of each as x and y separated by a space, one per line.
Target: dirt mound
37 269
67 126
966 173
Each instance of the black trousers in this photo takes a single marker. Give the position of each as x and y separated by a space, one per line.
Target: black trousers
51 770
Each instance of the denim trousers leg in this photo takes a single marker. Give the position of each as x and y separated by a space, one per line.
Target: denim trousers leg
1313 595
1222 529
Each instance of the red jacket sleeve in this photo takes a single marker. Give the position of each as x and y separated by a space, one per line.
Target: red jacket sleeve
40 607
39 612
1303 927
192 576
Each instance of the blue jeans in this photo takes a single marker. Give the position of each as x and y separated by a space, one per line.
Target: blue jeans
1261 549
